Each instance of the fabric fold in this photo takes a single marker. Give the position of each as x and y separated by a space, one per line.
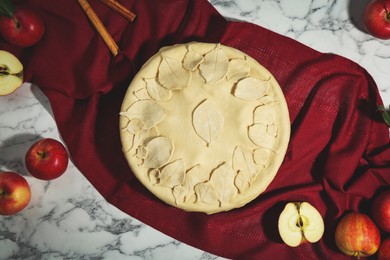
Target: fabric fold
337 160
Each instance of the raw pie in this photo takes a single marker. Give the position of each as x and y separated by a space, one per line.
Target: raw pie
204 127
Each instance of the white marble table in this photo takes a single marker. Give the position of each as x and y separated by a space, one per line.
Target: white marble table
68 218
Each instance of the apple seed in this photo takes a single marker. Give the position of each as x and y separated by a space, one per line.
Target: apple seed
5 71
299 220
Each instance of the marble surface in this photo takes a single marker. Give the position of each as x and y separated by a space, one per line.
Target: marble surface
68 219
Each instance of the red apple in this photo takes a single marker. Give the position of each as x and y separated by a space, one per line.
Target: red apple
381 211
384 250
21 26
357 235
376 18
15 193
47 159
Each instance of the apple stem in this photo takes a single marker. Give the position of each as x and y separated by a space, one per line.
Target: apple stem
299 222
17 23
43 155
387 16
4 192
357 254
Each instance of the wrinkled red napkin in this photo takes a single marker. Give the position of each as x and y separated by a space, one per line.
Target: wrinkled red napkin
337 160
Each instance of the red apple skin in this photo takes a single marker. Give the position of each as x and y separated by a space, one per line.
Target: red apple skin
15 193
376 18
47 159
381 211
357 235
24 29
384 250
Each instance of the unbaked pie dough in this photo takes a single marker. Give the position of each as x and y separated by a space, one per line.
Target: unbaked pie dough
204 127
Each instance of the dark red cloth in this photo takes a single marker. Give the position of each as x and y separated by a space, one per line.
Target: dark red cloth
338 157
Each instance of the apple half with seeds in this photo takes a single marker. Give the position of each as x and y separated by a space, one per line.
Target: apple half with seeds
300 222
11 73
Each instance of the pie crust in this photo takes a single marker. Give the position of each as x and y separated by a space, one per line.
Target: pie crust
204 127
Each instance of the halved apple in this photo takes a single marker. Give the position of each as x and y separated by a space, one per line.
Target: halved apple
11 73
300 222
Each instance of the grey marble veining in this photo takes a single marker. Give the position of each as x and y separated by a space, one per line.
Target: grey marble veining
324 25
68 219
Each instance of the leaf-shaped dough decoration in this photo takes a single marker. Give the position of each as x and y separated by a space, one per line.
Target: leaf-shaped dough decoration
267 99
186 191
258 134
141 94
156 91
141 152
243 161
173 174
160 150
251 88
208 121
223 181
127 142
154 176
272 129
148 111
134 126
215 65
264 114
172 75
242 181
238 69
180 194
194 176
144 136
192 59
205 192
262 156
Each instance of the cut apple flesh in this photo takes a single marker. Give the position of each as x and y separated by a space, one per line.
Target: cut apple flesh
11 73
289 229
313 224
300 222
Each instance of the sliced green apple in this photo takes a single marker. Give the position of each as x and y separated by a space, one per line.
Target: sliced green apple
300 222
11 73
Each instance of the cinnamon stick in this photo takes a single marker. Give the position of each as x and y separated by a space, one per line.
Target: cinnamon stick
120 9
97 23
